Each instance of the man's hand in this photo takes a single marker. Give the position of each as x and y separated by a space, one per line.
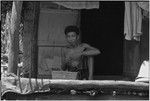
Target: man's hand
75 63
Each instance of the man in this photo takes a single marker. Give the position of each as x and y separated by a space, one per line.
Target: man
74 52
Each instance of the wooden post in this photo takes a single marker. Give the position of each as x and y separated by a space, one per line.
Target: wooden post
14 37
91 66
34 48
30 22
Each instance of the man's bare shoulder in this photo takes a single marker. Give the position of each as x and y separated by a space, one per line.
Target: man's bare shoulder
85 45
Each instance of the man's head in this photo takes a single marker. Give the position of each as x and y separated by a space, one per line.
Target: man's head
72 34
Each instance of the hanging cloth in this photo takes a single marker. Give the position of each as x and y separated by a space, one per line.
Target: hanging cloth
132 21
79 4
144 5
145 8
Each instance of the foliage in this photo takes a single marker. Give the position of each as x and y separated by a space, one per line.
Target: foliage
5 31
6 7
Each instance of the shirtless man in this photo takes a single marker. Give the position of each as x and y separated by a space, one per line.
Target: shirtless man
74 52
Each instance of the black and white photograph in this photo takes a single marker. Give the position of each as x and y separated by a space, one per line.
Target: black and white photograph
74 50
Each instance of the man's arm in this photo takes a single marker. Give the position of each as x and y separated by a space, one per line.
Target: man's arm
89 50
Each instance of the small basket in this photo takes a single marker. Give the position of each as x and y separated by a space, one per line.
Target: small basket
64 75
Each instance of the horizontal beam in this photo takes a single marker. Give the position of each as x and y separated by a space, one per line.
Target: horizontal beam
78 84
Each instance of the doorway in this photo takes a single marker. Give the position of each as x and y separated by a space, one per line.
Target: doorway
103 28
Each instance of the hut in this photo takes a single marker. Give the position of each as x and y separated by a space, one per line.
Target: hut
43 37
102 25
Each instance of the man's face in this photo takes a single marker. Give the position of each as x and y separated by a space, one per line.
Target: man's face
72 37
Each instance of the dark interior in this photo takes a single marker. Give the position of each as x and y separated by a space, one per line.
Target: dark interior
103 28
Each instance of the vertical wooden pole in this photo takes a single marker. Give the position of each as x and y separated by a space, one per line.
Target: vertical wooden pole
91 66
34 48
14 37
30 22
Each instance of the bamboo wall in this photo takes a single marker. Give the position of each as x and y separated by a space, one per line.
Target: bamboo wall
43 35
51 36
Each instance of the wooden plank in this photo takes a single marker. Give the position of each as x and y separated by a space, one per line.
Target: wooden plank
91 84
49 44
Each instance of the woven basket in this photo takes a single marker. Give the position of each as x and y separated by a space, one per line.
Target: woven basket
64 75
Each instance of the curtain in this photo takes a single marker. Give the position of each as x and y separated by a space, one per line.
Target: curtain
132 21
79 4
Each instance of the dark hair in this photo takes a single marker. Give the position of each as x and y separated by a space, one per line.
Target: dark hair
72 29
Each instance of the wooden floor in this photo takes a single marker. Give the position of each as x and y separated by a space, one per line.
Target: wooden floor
110 77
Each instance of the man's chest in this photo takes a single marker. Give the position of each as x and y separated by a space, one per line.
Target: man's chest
78 49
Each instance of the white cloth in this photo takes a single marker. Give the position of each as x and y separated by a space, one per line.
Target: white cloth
79 4
132 21
143 72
